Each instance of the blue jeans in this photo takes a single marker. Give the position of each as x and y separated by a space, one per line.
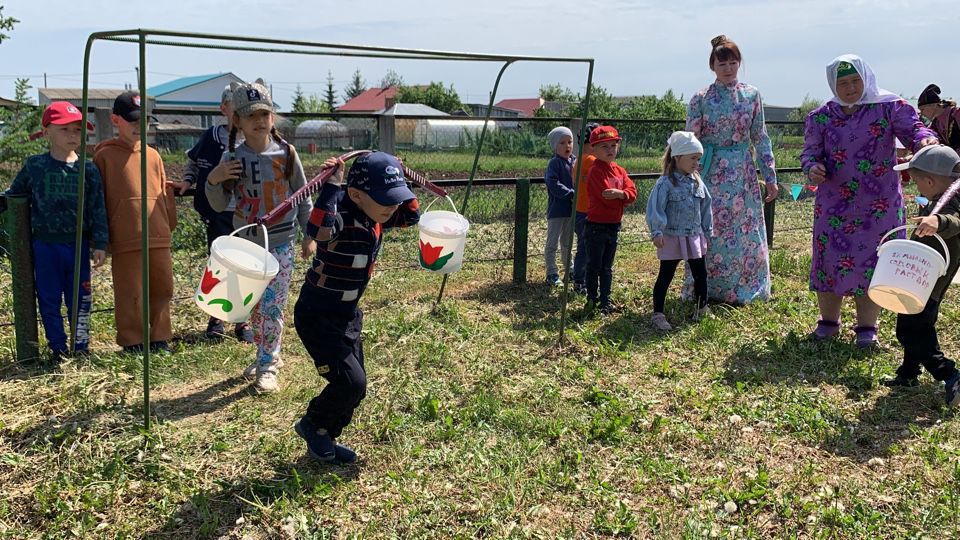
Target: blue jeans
580 259
601 240
53 273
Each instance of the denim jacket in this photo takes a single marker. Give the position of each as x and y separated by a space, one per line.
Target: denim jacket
683 209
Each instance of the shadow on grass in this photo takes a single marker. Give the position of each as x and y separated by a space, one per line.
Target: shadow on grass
877 430
801 361
894 417
214 513
210 399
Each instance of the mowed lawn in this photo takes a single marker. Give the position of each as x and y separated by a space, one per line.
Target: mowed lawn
479 423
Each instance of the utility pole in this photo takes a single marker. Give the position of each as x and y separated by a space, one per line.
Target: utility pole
44 79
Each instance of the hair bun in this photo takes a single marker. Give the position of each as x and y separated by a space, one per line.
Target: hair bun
932 88
719 40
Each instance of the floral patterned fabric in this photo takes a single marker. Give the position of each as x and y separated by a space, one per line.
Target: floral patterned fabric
861 199
267 318
728 120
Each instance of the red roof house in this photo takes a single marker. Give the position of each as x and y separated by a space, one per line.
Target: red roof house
373 99
527 106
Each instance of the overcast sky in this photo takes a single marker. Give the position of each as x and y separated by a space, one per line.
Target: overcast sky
640 47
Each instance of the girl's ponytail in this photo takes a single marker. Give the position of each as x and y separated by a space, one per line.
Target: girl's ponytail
288 148
232 144
669 165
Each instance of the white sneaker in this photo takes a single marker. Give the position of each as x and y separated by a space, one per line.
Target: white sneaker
251 370
702 313
267 382
659 321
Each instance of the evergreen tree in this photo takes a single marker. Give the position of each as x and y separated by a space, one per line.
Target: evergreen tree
357 86
299 101
329 96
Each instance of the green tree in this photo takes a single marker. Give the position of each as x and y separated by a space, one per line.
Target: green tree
668 107
16 125
558 93
329 95
299 101
6 25
392 78
356 87
434 95
806 107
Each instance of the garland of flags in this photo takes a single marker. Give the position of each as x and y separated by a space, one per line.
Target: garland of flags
797 189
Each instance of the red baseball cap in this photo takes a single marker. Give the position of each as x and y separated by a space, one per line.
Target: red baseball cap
604 133
59 113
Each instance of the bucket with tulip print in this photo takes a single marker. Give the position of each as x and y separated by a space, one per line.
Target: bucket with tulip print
236 275
443 239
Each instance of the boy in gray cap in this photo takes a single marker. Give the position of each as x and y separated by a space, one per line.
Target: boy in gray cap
936 171
559 181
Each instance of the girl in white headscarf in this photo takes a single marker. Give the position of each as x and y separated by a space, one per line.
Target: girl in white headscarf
849 152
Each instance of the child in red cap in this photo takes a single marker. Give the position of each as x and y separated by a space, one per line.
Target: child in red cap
51 181
609 191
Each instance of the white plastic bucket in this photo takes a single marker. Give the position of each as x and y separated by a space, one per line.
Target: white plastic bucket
236 275
906 273
443 238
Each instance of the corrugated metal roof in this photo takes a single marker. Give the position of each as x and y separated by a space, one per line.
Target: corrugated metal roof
70 94
411 109
181 83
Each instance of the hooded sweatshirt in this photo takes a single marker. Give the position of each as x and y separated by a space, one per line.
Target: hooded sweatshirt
119 165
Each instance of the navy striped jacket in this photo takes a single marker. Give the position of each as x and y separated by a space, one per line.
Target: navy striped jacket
348 242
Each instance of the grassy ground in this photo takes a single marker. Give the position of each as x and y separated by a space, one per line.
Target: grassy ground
478 424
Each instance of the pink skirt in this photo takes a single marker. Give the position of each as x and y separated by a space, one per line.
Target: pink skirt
682 248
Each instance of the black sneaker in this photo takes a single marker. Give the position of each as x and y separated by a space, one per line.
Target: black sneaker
344 454
951 390
215 329
609 308
901 382
319 446
243 332
133 349
580 288
160 347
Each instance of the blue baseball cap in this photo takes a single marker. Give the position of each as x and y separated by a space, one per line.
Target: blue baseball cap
380 175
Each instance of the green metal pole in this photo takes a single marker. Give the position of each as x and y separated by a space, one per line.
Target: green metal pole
145 227
21 261
81 192
521 223
476 160
576 192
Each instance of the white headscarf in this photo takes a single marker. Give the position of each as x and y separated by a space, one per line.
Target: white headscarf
871 92
683 143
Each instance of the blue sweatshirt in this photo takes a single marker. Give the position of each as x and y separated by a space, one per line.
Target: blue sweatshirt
559 180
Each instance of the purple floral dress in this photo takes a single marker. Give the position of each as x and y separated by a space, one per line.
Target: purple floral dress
728 120
861 199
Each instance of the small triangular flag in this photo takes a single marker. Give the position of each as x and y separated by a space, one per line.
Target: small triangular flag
812 187
795 190
922 201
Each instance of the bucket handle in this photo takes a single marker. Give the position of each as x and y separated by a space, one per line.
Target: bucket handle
946 251
449 200
266 244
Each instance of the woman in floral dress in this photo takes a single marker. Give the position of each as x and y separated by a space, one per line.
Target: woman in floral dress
727 117
849 152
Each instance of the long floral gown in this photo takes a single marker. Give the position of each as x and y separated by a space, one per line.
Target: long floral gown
861 199
728 120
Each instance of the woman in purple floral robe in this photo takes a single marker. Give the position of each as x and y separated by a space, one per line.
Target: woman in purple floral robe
849 153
